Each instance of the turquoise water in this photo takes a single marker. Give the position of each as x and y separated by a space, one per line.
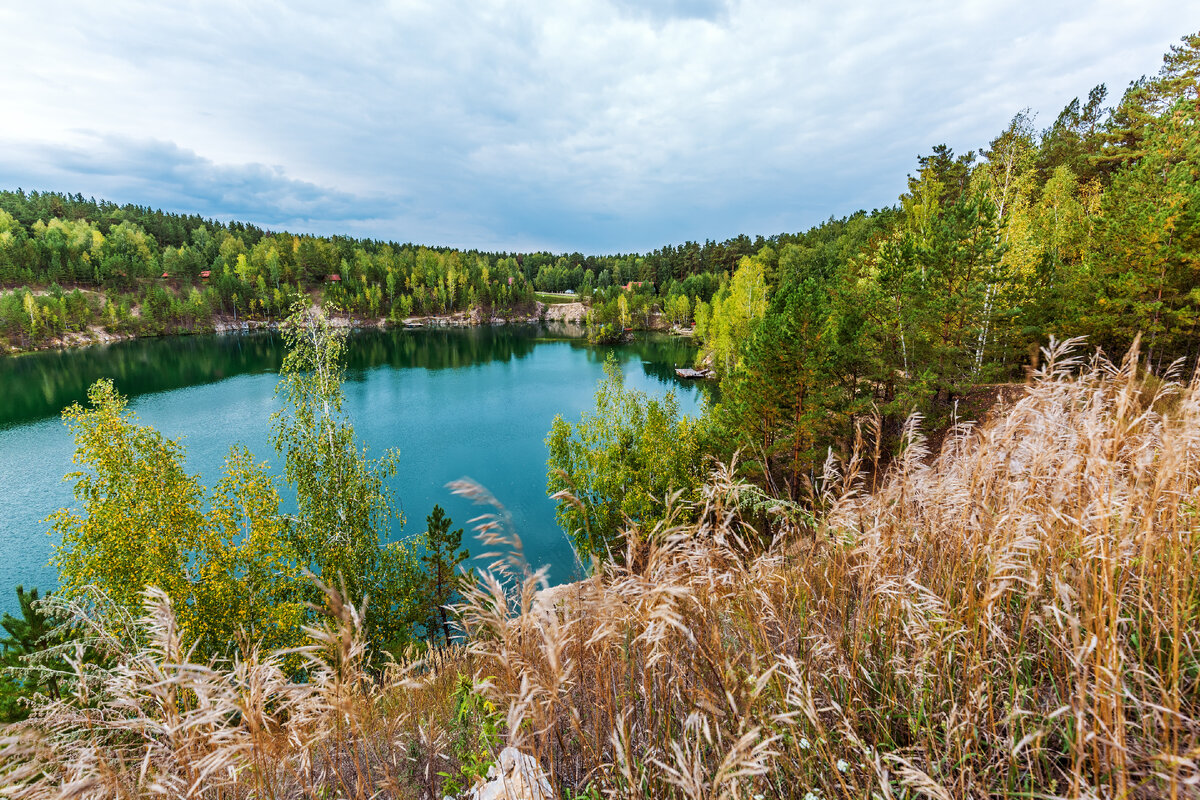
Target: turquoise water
474 402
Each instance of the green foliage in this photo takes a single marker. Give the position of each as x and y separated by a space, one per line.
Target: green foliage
27 636
615 312
1146 261
443 554
476 732
253 582
778 401
735 310
141 270
1090 227
141 519
342 496
606 333
1093 228
142 523
620 461
152 264
956 269
231 562
679 309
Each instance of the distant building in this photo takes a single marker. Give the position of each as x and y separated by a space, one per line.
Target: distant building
629 287
165 276
334 278
204 275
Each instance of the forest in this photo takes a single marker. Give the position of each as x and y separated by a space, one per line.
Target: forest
1087 228
69 263
841 579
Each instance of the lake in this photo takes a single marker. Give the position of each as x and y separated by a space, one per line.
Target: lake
456 402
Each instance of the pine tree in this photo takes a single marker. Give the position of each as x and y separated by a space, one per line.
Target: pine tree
28 634
443 553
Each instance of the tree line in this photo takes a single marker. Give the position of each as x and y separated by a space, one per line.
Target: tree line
1089 228
73 262
1087 224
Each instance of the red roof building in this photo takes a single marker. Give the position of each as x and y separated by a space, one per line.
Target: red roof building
334 278
204 275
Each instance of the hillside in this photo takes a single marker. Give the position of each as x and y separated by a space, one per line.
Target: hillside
934 536
1017 616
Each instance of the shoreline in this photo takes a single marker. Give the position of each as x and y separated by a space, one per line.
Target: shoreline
97 335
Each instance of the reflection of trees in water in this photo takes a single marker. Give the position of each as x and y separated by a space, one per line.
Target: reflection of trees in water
566 330
40 385
659 355
434 348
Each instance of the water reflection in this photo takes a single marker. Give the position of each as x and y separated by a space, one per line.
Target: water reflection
660 356
40 385
479 404
438 348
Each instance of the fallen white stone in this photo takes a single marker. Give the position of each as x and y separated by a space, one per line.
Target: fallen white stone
514 776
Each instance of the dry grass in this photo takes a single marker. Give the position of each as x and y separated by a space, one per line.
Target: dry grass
156 724
1017 617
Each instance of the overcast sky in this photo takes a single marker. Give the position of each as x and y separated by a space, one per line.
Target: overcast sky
600 126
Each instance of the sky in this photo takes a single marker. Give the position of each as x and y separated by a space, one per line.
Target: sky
599 126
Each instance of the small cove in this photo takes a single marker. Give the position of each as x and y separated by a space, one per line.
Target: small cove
463 402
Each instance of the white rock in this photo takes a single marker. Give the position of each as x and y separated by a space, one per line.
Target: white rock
514 776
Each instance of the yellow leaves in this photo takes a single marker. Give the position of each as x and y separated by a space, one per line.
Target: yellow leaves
1091 197
142 524
733 313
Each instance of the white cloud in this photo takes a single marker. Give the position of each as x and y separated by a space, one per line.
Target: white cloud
591 125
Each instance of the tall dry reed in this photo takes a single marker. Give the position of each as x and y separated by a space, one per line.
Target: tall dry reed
154 723
1017 616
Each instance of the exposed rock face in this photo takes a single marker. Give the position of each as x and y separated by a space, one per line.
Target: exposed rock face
566 312
514 776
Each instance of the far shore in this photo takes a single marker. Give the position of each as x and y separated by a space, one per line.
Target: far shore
573 312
